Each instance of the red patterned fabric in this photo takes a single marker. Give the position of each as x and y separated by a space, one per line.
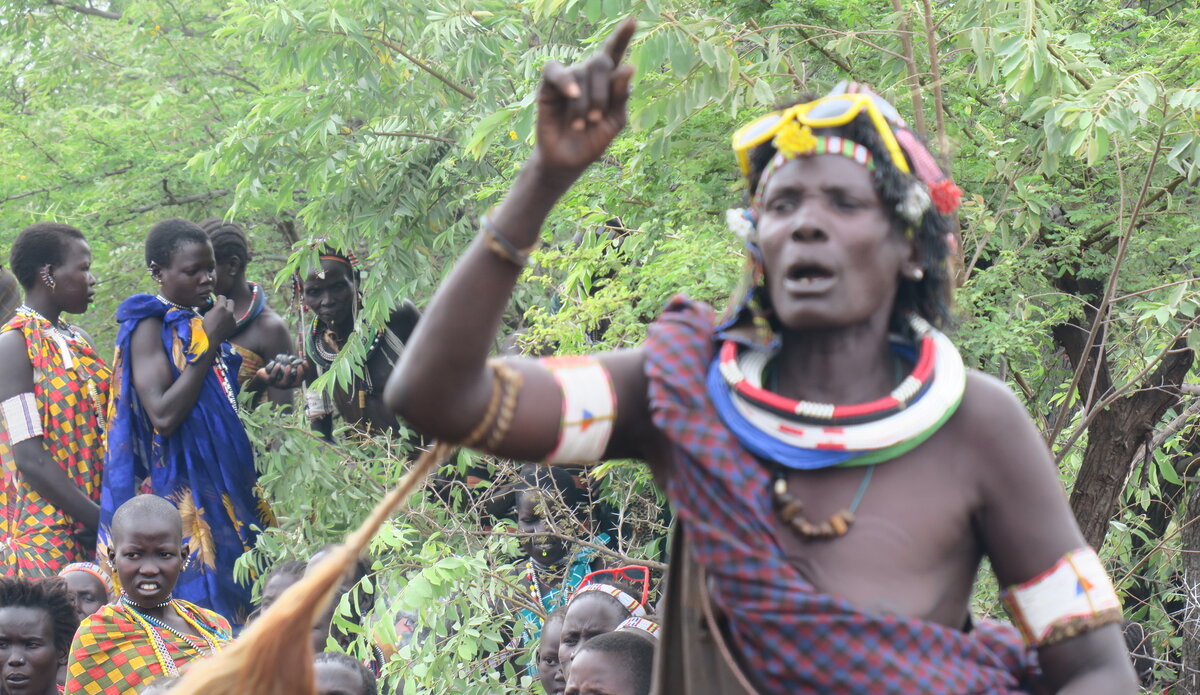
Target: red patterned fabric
789 637
39 538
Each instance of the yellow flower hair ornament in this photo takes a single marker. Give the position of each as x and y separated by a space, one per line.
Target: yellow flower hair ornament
794 140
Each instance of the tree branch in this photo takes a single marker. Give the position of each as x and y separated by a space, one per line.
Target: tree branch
910 65
427 68
419 136
935 69
173 200
84 10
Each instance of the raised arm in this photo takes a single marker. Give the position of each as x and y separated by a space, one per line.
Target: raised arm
33 461
443 385
169 401
1027 527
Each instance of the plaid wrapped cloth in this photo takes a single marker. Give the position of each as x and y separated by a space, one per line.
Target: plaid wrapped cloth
112 653
790 638
39 538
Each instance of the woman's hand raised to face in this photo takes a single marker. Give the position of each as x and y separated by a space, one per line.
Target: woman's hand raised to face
583 107
219 322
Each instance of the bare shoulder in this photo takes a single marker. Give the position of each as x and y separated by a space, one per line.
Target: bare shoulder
275 330
991 410
1002 436
16 373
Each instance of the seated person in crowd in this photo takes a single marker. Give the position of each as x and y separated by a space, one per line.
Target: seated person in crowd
550 507
605 600
89 586
338 673
147 634
331 295
617 663
549 670
324 628
37 621
278 580
260 334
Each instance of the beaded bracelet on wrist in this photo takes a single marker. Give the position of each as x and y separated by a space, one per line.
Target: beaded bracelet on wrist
502 406
498 244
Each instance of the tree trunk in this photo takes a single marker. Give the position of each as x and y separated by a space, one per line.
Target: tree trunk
1118 433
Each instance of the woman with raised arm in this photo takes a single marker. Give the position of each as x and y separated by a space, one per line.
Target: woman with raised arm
175 428
53 397
837 474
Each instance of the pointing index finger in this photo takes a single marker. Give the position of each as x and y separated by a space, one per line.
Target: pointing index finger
618 42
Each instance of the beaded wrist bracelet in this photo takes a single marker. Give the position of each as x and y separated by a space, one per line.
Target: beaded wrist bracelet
502 247
502 406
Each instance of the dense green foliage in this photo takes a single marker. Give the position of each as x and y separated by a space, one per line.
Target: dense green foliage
389 127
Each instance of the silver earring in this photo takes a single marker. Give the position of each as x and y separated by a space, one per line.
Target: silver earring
917 275
46 279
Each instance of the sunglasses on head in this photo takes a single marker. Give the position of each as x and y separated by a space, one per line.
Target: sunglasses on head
839 108
634 574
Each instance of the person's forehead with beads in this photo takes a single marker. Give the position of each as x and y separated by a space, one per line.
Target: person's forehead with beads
859 179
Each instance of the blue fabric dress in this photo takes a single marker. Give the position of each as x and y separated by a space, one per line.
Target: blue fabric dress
206 467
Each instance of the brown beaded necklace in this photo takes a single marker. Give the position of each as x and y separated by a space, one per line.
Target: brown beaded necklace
789 508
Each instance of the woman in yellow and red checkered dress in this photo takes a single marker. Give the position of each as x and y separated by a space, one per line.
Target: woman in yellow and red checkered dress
53 394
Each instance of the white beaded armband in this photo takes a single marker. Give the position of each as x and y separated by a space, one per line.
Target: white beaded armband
589 407
1072 597
21 418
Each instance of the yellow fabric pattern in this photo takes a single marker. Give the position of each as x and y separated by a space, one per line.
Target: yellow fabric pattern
113 654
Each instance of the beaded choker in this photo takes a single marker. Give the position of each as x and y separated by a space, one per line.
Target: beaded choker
807 436
808 411
219 363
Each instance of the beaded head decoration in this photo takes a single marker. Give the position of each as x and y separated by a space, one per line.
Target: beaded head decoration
900 164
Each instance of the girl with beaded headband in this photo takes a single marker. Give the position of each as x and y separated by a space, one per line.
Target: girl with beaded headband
175 426
604 600
53 396
331 294
836 472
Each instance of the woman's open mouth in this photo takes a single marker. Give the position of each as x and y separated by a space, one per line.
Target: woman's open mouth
805 278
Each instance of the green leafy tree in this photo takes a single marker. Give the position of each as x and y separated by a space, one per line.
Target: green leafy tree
389 127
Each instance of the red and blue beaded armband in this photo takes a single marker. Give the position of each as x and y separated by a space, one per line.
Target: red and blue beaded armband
1072 597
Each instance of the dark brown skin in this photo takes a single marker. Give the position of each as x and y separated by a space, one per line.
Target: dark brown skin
148 558
332 300
983 484
74 287
267 335
187 280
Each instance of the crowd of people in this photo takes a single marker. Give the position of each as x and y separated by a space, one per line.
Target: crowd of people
835 471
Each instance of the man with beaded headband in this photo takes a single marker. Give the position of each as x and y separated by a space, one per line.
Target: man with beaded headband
826 548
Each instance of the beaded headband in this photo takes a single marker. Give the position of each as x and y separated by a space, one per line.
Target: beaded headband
92 569
795 140
630 603
639 624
